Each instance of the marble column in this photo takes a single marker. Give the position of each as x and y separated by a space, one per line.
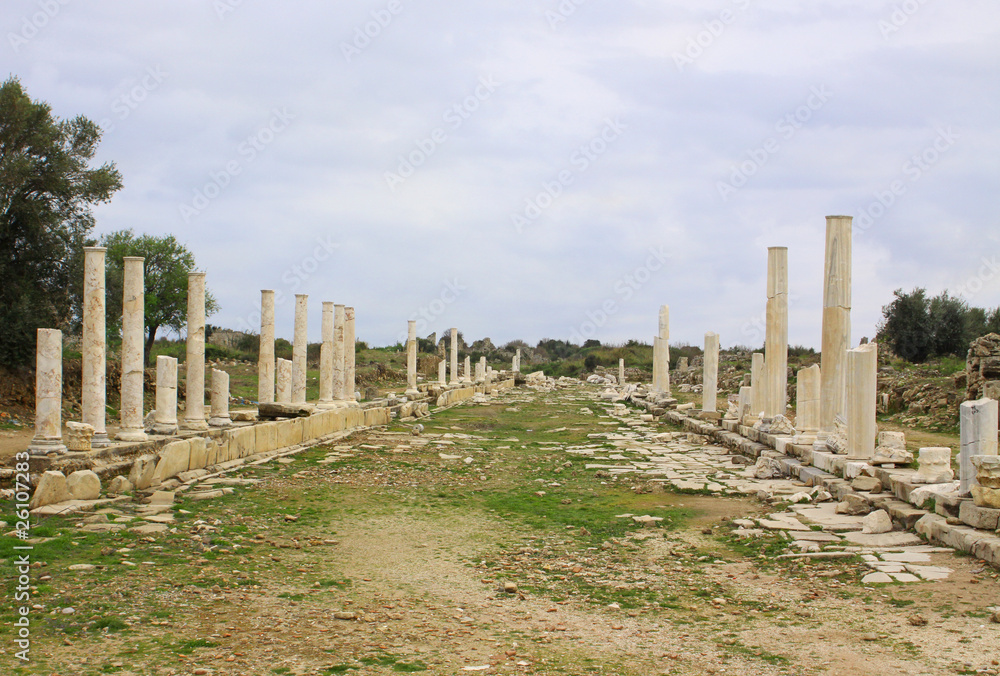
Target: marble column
776 340
94 395
621 371
710 373
165 417
220 400
746 403
326 358
339 356
411 359
759 396
442 374
978 437
284 381
482 370
807 404
300 346
661 353
862 381
265 358
48 394
454 380
350 354
467 371
133 364
836 322
194 366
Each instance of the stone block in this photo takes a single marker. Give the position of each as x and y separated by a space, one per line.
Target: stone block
878 521
241 442
143 471
199 452
175 458
266 437
79 436
211 452
986 497
119 486
50 490
83 485
982 518
867 484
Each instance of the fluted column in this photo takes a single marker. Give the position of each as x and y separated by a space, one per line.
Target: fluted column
350 355
339 355
300 345
194 413
411 359
94 394
265 358
48 394
165 417
710 373
776 347
836 322
326 358
133 364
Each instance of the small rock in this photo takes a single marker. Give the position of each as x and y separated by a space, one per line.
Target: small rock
917 620
510 587
345 616
68 611
853 505
877 522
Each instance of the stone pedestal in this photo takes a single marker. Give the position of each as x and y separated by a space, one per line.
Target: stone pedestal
411 359
300 344
79 436
710 373
220 400
758 400
934 466
745 404
326 358
133 364
807 406
339 355
442 374
978 421
621 371
265 359
986 489
836 322
862 376
194 367
454 380
284 381
467 371
165 417
350 354
48 394
776 340
94 347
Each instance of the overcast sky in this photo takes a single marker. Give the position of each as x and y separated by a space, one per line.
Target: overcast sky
535 168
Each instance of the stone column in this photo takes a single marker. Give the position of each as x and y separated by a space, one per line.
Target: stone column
978 437
482 370
442 374
265 359
467 370
48 394
94 395
350 353
759 397
133 364
284 381
339 356
836 322
807 404
661 353
454 358
165 417
710 373
194 367
862 377
220 400
776 341
326 358
411 359
746 403
621 371
300 345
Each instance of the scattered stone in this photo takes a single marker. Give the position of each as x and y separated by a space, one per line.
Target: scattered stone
867 484
917 620
84 485
878 521
119 486
853 505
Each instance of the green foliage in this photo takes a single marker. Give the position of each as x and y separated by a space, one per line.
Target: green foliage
917 327
47 190
905 325
948 325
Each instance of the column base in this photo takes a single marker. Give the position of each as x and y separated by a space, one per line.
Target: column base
194 425
166 429
410 394
131 435
100 440
326 405
219 423
42 447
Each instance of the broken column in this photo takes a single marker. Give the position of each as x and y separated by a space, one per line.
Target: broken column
350 355
94 348
710 373
621 371
454 380
807 398
300 346
517 361
746 403
284 381
776 340
758 401
165 416
862 377
194 413
467 371
442 373
978 421
326 358
220 400
836 322
481 376
133 364
339 355
265 358
411 359
48 394
661 353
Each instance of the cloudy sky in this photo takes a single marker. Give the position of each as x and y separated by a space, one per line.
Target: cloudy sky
540 168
